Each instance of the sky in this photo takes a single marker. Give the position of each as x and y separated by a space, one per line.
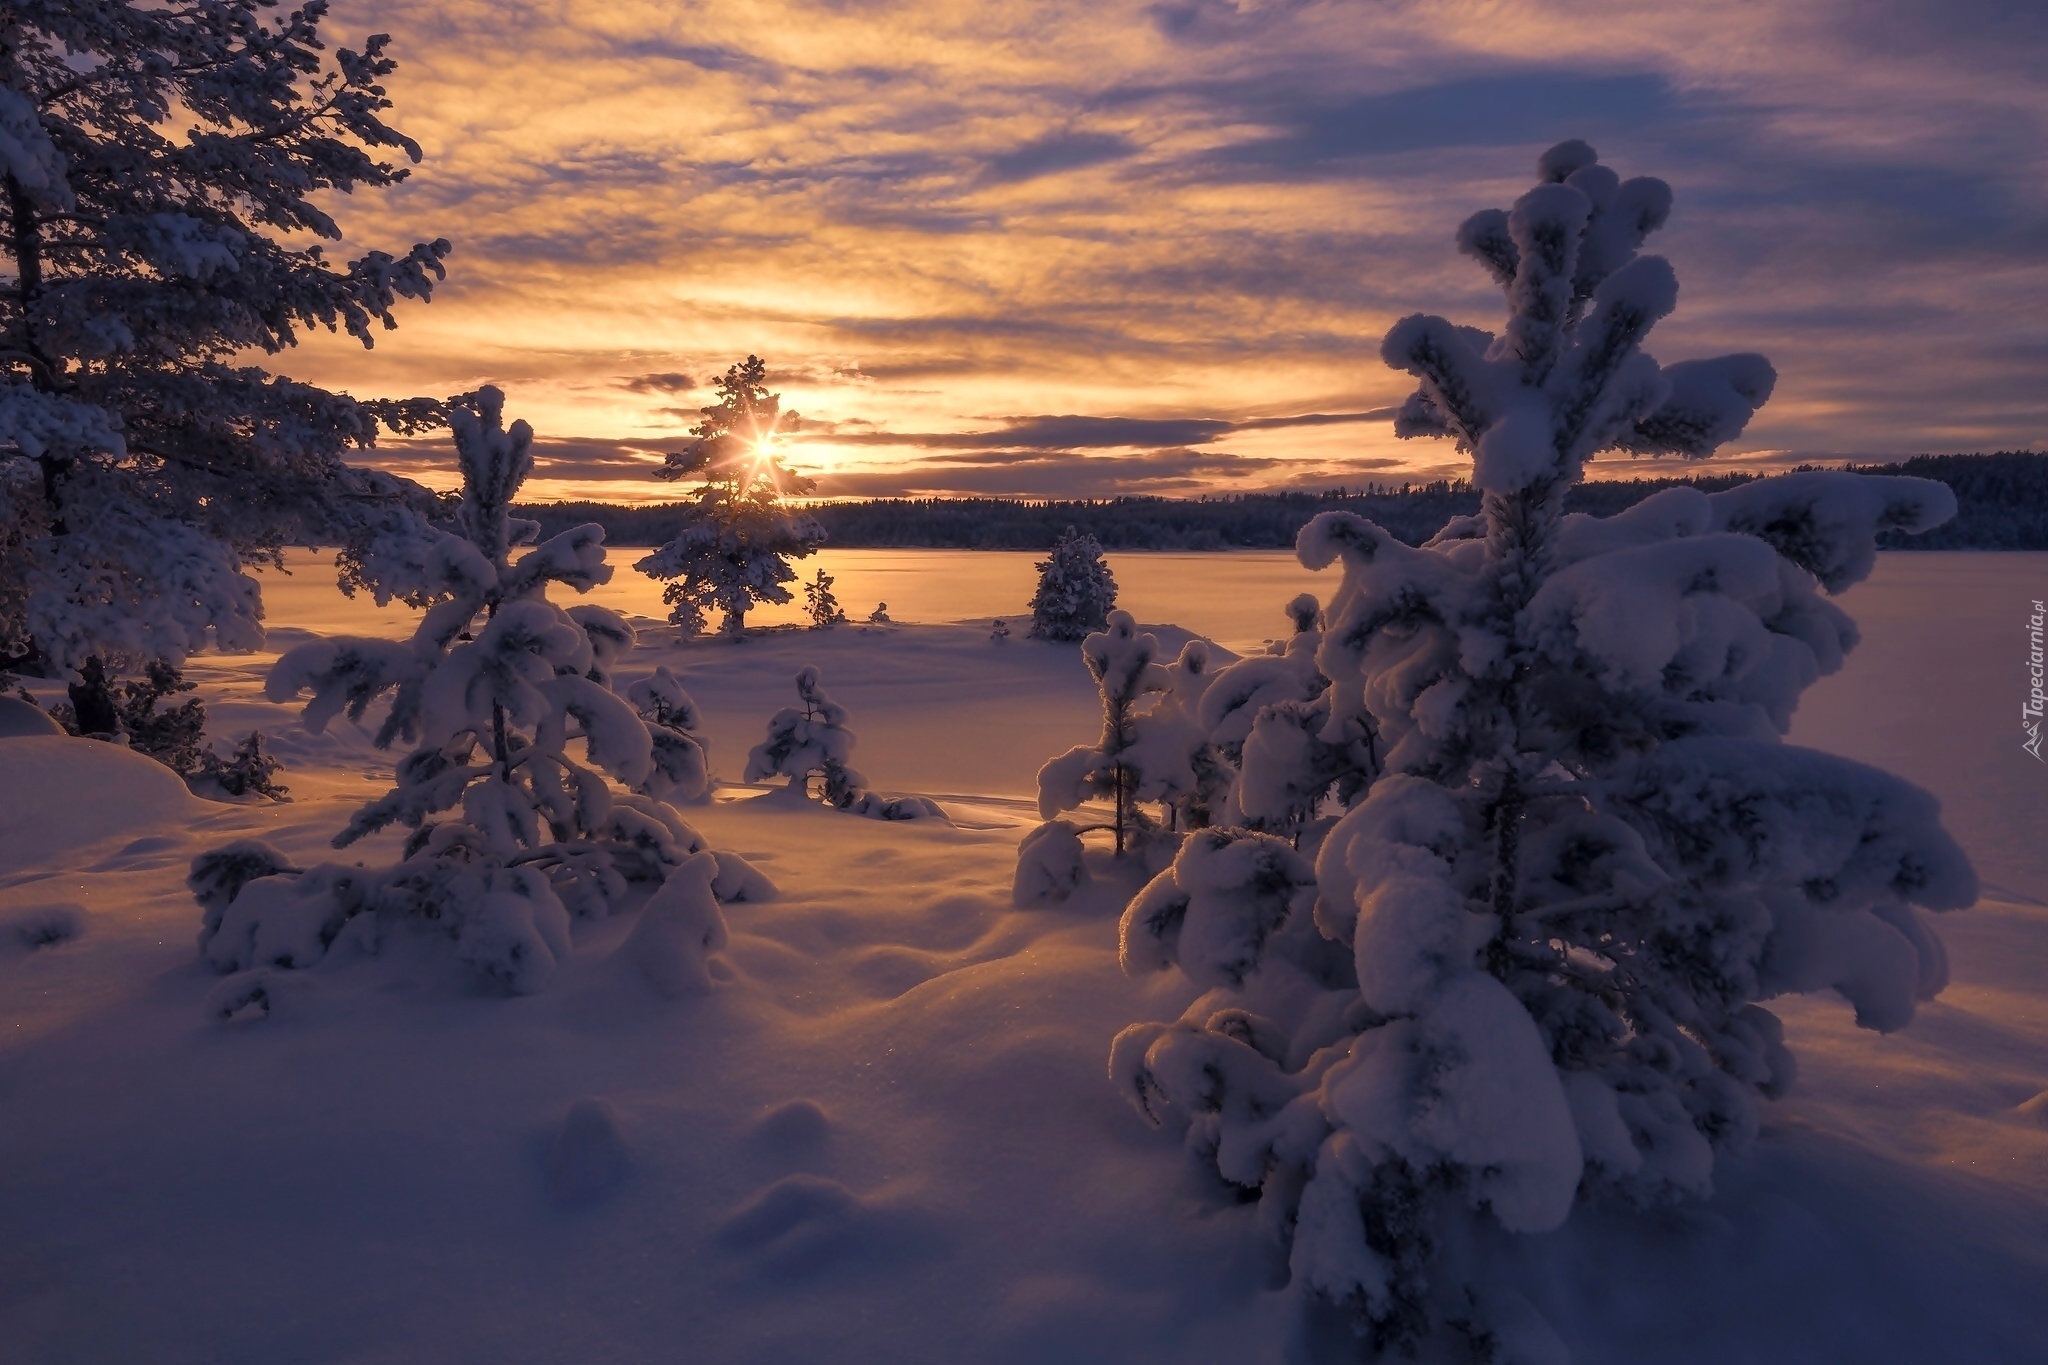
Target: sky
1082 249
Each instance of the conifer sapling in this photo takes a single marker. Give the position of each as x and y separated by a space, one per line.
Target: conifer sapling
512 830
820 604
736 548
1076 589
811 743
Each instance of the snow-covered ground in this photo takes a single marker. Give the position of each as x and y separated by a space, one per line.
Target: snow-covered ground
887 1136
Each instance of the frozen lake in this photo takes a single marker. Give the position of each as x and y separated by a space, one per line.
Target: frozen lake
1232 598
1944 644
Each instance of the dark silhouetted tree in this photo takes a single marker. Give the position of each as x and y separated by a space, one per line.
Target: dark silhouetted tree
166 171
736 548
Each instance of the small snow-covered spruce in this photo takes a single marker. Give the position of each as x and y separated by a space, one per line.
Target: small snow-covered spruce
511 832
1152 751
165 168
820 604
1076 590
1124 662
1526 967
999 632
810 743
880 615
735 551
246 772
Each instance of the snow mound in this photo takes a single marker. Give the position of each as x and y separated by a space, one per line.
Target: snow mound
679 928
58 794
19 720
588 1158
792 1129
803 1226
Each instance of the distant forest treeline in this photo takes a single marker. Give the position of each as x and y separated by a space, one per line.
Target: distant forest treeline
2002 502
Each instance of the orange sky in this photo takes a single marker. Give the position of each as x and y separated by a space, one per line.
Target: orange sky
964 234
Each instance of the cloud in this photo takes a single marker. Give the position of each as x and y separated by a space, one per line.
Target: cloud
1501 109
1072 432
1039 474
1189 213
667 381
1046 475
1057 152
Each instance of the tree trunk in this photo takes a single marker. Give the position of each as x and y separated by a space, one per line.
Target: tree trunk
93 703
1118 774
25 241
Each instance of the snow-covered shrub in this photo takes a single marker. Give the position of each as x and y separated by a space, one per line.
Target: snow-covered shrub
820 604
1280 763
103 709
999 631
159 213
512 832
247 771
1049 865
1153 750
736 548
1529 963
880 615
39 926
1076 590
172 735
811 742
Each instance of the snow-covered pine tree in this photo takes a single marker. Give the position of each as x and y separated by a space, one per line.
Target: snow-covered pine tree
735 549
806 741
1527 965
164 169
820 604
511 833
812 741
1125 664
1273 757
1076 590
1153 749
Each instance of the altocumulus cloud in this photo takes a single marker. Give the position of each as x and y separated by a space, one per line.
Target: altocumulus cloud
923 211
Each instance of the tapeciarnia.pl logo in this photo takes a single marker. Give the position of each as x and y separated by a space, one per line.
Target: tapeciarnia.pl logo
2030 712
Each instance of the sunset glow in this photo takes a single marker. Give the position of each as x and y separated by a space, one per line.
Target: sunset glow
964 235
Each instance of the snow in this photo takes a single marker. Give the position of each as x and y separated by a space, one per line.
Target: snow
877 1127
58 796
